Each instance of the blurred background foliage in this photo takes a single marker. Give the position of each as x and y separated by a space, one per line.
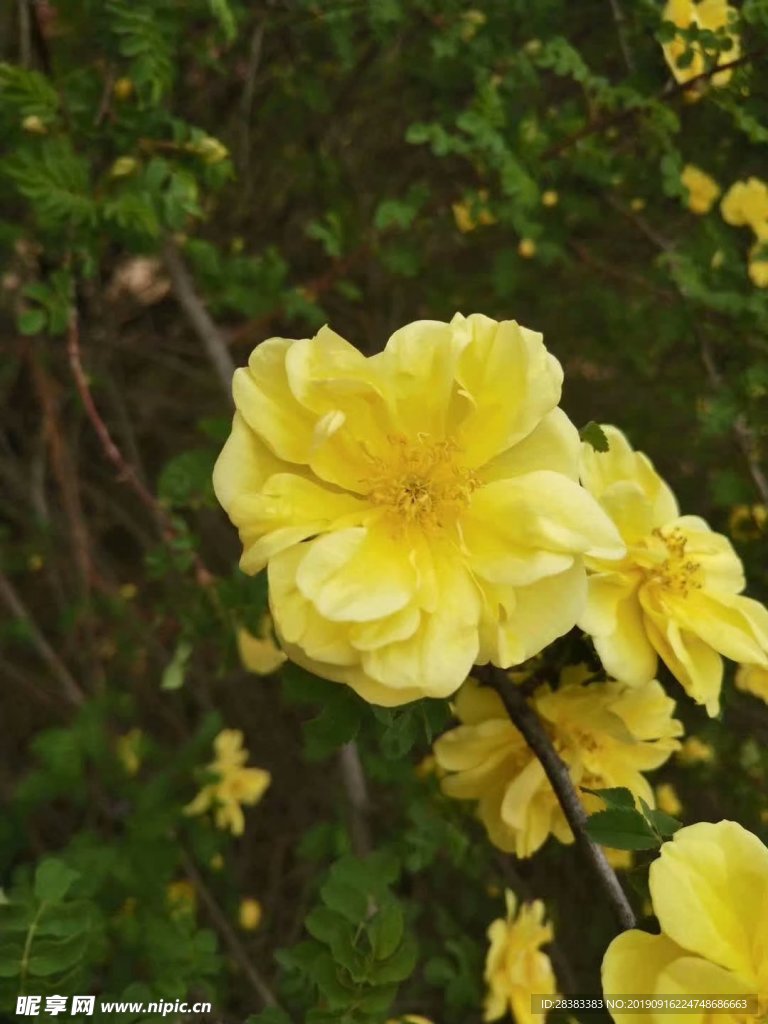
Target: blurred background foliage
178 182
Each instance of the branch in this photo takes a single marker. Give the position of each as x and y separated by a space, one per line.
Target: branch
58 669
357 798
621 26
667 93
529 724
126 472
227 932
199 317
741 430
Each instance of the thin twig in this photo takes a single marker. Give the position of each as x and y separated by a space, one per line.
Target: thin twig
627 113
227 932
356 791
621 32
58 669
527 721
199 317
25 34
249 91
740 429
126 472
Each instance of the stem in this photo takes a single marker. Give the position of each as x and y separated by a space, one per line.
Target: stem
529 724
356 791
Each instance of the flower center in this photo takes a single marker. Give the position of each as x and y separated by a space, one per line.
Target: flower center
422 482
670 567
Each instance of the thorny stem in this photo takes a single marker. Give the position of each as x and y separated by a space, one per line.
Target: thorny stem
529 724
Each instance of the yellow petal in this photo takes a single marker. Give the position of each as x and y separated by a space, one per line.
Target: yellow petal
553 444
632 965
710 893
258 655
243 465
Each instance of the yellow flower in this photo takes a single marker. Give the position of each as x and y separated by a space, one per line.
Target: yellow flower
607 734
747 522
620 860
123 89
709 888
667 799
515 967
260 654
757 268
418 510
695 751
702 189
472 213
128 750
752 679
410 1018
527 248
34 125
637 204
677 594
712 15
249 915
181 897
745 204
236 786
550 198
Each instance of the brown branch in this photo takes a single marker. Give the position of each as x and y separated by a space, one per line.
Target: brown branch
667 93
740 428
227 932
199 317
58 669
358 802
126 472
529 724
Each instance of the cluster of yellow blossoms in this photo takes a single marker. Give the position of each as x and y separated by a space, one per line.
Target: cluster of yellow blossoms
688 59
234 785
607 733
745 204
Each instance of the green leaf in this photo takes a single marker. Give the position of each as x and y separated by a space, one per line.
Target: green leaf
386 930
400 965
176 669
53 880
622 829
31 321
665 824
617 797
594 434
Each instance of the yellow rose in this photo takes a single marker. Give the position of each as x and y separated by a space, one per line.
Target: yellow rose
249 914
745 204
712 15
418 510
667 799
606 732
235 786
702 189
527 248
550 198
620 860
470 214
695 751
709 888
677 594
515 967
752 679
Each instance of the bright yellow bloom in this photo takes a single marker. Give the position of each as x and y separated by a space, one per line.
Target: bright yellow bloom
550 198
128 750
702 189
677 594
713 15
753 679
695 751
236 786
747 522
418 510
667 799
260 654
745 204
249 914
757 268
515 967
410 1018
527 248
470 215
709 888
607 734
